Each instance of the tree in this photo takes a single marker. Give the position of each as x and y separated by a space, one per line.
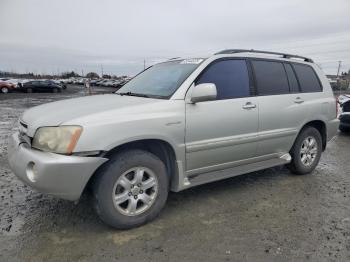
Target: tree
70 74
92 75
106 76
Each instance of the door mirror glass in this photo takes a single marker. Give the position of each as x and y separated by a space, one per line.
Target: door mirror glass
203 92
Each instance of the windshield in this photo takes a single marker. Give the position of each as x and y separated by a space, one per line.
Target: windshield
160 80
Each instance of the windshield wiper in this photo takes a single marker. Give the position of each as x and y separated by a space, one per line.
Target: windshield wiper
132 94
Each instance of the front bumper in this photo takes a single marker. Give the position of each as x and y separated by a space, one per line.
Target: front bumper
59 175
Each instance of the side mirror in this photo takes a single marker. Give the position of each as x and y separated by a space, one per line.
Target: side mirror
203 92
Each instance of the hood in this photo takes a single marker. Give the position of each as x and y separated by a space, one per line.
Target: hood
57 113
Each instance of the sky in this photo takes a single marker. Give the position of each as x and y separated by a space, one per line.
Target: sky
53 36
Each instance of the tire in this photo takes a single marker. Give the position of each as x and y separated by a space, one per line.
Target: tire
312 155
29 90
344 129
5 90
111 178
54 90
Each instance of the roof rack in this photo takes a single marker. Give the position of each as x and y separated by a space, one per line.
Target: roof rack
174 58
234 51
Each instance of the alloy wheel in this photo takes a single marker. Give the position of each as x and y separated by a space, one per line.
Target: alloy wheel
308 151
135 191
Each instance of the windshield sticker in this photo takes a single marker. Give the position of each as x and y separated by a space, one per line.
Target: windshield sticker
192 61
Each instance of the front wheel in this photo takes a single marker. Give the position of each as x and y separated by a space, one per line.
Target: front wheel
130 189
306 151
4 90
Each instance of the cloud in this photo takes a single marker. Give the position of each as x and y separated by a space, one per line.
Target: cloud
83 34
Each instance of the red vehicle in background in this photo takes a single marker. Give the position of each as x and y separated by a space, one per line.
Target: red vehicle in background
6 87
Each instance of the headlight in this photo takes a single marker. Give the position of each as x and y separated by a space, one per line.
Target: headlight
61 139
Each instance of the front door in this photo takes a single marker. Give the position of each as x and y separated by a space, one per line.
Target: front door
222 133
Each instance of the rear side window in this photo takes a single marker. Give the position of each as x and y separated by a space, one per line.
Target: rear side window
230 77
271 78
307 78
293 82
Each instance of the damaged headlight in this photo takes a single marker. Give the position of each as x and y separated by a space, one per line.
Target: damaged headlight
60 139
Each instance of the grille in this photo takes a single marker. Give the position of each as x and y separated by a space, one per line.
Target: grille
23 133
25 139
23 124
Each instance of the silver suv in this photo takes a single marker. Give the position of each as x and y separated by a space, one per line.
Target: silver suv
176 125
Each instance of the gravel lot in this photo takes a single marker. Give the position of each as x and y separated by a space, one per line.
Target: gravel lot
269 215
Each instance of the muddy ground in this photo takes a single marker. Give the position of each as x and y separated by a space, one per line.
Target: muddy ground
269 215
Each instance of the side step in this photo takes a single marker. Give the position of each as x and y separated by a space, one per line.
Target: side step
199 179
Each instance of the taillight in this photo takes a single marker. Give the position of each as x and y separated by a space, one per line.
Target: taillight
337 107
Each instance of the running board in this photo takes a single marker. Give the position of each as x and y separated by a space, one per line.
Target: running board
198 179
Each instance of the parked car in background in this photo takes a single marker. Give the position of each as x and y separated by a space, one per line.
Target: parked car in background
176 125
60 82
102 82
17 82
41 86
6 87
344 116
93 82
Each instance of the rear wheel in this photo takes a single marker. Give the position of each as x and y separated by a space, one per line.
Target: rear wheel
4 90
130 189
29 90
54 90
306 151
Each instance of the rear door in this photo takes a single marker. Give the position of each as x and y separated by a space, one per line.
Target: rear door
221 133
281 108
314 101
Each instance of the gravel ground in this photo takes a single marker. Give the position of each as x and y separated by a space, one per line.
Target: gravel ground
269 215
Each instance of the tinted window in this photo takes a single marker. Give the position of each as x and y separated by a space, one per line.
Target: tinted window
307 78
293 82
230 77
270 77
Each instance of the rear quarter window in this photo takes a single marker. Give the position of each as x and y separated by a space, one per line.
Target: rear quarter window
308 79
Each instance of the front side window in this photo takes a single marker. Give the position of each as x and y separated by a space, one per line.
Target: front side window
230 77
160 80
307 78
271 78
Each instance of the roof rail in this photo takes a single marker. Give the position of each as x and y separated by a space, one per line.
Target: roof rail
174 58
234 51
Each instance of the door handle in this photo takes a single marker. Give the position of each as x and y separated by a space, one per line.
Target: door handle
249 105
298 100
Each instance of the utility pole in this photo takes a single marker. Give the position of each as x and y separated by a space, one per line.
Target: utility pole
339 65
338 80
101 71
144 64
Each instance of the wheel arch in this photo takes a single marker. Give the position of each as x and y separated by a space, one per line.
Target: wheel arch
321 127
161 148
